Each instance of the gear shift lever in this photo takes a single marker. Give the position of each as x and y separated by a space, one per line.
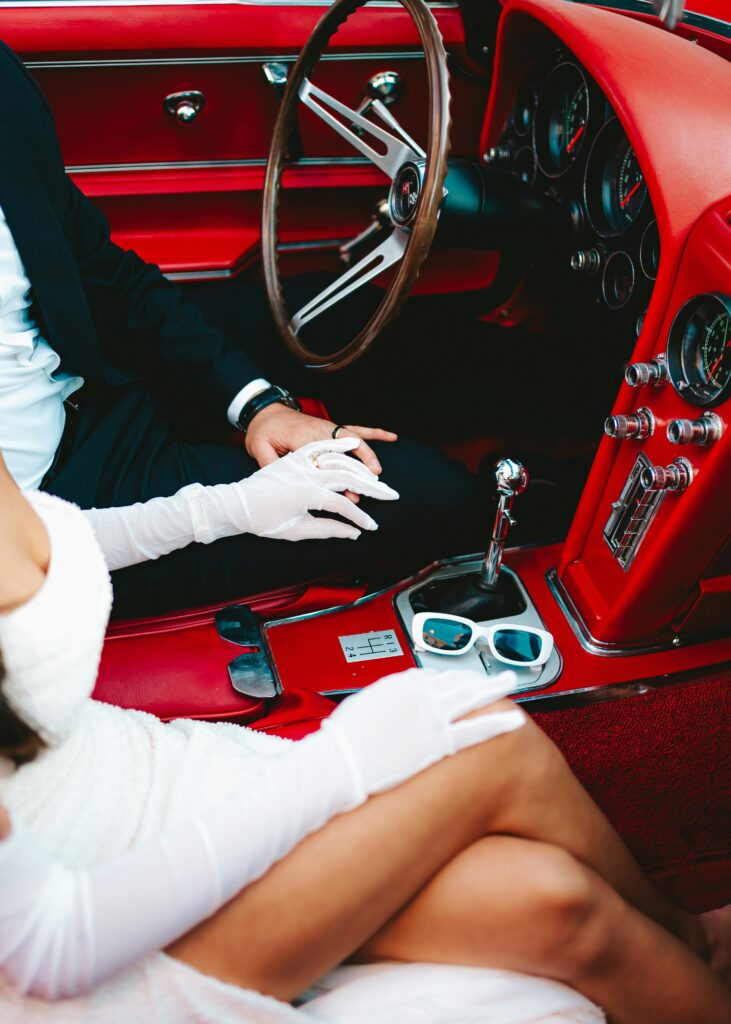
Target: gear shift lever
485 594
512 479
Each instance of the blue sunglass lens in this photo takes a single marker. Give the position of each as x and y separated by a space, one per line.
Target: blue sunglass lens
445 635
517 645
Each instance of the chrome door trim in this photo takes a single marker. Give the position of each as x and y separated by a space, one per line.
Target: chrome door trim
207 165
266 58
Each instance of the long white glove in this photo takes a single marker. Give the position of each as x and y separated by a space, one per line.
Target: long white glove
276 502
62 931
408 721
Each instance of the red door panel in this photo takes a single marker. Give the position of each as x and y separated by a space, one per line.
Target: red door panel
188 196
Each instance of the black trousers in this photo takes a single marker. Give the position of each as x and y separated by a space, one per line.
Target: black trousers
136 443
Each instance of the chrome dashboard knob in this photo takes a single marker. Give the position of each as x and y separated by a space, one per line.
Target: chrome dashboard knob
654 372
705 430
496 155
637 425
586 261
675 477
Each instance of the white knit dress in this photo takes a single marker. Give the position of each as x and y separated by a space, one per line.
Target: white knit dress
111 779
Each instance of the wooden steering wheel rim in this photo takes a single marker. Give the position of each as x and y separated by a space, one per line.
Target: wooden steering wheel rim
424 224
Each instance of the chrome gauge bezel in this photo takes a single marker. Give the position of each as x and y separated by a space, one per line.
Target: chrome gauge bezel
645 252
610 267
524 164
525 101
606 141
681 348
543 119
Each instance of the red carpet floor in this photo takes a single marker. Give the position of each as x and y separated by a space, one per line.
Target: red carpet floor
659 765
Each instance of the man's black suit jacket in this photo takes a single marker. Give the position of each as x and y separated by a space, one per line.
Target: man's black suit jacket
111 318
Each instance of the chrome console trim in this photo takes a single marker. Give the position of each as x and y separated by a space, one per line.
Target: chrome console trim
587 696
590 643
161 62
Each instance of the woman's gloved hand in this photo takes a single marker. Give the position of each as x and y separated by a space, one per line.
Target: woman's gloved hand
405 722
276 502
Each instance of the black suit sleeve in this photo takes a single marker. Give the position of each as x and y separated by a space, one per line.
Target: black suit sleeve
146 323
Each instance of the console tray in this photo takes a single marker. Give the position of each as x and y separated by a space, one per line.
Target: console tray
529 678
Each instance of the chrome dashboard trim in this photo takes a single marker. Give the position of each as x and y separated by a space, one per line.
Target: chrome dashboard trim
207 165
72 4
160 62
690 18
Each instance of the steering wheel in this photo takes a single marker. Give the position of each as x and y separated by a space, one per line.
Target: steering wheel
416 192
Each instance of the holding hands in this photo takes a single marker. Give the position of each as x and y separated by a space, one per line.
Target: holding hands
277 502
279 499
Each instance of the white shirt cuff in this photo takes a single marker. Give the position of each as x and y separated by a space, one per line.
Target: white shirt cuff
253 388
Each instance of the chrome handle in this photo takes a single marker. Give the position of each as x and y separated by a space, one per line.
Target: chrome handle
184 106
276 75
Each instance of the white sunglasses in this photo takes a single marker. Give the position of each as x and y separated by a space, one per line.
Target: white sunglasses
524 646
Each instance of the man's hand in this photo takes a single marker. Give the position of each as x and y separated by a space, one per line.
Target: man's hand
277 430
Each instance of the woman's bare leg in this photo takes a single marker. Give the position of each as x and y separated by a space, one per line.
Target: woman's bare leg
339 887
526 906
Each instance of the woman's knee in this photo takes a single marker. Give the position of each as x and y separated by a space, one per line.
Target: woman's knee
574 908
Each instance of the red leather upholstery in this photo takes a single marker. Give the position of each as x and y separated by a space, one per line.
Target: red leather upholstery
176 666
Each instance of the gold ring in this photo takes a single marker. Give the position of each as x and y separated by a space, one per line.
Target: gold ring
337 430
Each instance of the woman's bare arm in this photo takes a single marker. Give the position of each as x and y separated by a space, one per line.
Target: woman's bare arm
24 546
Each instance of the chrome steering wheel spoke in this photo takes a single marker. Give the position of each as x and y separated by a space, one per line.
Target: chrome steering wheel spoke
398 150
390 251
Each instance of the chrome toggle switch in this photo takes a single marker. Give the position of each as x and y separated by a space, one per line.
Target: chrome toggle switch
637 425
706 430
655 372
675 477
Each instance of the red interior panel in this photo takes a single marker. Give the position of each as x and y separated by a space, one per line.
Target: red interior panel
651 79
107 70
690 528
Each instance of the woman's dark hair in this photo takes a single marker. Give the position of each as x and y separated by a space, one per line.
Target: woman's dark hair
18 742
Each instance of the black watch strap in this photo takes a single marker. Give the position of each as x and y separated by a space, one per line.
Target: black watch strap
270 396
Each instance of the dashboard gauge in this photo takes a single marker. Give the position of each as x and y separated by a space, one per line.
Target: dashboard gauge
699 350
525 105
614 185
650 250
524 165
562 116
618 280
640 323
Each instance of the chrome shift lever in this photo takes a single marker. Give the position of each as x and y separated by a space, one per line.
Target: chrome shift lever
511 478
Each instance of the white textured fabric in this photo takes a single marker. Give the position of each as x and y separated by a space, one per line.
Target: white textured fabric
32 391
445 994
101 797
274 502
251 390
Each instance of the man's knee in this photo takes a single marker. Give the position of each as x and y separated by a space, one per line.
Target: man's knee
438 500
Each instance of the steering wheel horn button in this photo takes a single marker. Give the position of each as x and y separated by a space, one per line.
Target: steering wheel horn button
403 197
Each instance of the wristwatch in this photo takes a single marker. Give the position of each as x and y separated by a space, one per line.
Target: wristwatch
270 396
